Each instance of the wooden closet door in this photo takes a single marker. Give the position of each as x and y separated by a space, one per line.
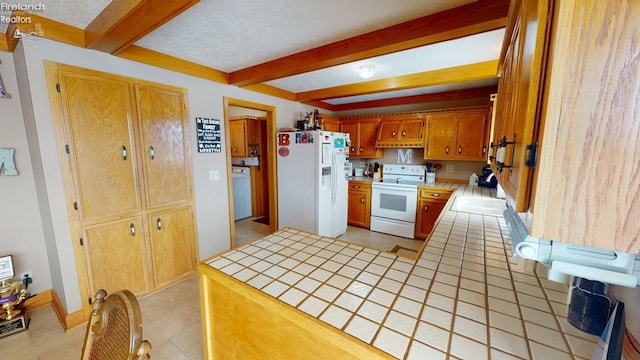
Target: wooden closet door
162 118
100 134
172 245
115 256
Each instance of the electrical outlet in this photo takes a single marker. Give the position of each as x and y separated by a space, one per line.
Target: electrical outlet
25 274
214 175
448 168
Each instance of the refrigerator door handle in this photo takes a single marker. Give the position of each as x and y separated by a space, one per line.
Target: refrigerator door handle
334 177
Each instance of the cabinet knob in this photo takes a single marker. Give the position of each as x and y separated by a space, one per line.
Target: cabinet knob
361 149
356 187
362 200
235 149
124 152
435 195
393 133
353 149
152 153
132 229
446 150
426 208
460 150
404 133
159 224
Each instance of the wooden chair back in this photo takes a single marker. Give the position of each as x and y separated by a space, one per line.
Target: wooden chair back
114 331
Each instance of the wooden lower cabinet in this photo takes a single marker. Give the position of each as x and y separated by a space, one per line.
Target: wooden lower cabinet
174 256
431 202
359 207
115 256
241 322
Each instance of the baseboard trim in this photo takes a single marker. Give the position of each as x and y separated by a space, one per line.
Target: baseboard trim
49 297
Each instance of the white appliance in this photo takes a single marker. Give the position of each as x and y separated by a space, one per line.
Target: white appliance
312 181
394 199
241 179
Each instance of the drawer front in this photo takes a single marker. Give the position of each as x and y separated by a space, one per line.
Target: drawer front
434 193
359 185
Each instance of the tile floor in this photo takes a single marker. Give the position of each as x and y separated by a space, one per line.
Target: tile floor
171 322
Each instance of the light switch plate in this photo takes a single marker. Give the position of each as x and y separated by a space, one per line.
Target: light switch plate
214 175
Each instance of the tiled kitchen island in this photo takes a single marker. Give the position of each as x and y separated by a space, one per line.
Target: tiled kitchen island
294 295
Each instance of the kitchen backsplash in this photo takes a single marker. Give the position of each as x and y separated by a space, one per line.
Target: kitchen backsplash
461 169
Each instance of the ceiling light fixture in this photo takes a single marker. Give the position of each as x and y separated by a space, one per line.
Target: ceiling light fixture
366 71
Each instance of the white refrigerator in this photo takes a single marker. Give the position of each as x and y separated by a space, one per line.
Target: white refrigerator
312 181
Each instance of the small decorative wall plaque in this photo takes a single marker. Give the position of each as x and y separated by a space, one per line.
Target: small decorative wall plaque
7 162
209 137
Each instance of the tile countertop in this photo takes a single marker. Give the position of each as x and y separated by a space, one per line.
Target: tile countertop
463 298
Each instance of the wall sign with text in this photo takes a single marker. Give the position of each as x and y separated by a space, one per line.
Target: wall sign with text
209 137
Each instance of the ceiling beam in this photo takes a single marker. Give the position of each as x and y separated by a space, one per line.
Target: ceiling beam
123 22
477 71
474 18
425 98
154 58
271 90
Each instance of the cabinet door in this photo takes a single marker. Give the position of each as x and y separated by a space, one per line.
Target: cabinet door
367 139
114 254
470 134
172 245
352 130
359 208
440 141
389 130
164 142
100 131
427 214
238 132
411 130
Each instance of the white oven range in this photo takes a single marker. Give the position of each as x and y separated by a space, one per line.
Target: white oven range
394 198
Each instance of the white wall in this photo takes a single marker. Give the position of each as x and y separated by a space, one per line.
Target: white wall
20 221
205 100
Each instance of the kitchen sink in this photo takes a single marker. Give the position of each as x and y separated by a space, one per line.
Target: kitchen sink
479 205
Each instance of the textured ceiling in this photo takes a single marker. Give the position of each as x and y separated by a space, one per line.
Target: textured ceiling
233 34
77 13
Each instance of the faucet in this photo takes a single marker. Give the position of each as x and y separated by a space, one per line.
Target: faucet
489 177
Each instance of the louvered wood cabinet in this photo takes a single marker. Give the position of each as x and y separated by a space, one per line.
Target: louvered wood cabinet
125 160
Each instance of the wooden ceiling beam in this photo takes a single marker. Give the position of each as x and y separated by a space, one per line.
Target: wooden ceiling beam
154 58
123 22
477 71
425 98
474 18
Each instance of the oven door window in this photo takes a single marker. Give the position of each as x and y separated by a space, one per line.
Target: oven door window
393 202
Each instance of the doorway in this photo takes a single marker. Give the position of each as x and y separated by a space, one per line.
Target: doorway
266 158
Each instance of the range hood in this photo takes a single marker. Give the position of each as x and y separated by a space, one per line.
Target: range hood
608 266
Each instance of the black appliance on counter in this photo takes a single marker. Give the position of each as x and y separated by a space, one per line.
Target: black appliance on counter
487 179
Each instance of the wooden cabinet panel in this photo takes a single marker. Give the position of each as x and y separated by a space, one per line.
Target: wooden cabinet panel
359 204
363 134
102 149
457 135
174 255
114 253
470 136
441 136
164 154
238 137
401 131
426 216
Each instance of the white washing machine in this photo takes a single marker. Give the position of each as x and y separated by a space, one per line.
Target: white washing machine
241 177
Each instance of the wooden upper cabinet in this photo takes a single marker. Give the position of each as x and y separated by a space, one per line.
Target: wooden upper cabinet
101 145
440 137
401 131
362 133
457 135
330 123
238 137
164 142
